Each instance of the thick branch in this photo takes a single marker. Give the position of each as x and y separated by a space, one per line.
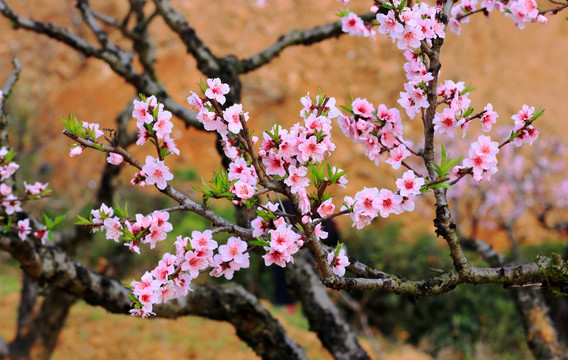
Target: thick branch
206 61
540 331
254 324
296 37
119 61
324 317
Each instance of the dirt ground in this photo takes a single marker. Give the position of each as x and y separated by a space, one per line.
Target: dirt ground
507 66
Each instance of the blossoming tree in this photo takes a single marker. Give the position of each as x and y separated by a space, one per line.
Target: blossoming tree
290 163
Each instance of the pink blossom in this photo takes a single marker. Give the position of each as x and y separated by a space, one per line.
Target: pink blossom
133 247
362 107
367 202
170 145
297 178
338 263
232 116
489 117
115 159
410 38
5 190
203 240
42 234
223 268
160 220
157 172
276 257
352 24
8 170
34 189
94 128
311 149
235 249
389 25
409 184
216 90
445 123
195 101
76 149
318 231
194 263
243 190
23 228
259 227
102 213
397 155
143 112
11 205
163 125
113 228
326 208
388 203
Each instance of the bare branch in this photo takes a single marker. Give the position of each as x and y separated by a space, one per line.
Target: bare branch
206 61
324 317
118 59
297 37
6 91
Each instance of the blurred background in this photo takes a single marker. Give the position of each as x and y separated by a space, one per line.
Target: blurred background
507 66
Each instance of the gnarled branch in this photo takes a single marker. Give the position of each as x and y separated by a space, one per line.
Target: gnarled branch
254 324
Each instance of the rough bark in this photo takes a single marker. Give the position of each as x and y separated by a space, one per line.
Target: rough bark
323 316
540 331
39 338
231 303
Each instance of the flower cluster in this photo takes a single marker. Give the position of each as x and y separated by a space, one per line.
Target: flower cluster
458 113
153 123
370 202
379 132
149 229
355 26
91 131
173 275
524 131
283 242
482 159
11 203
520 11
409 26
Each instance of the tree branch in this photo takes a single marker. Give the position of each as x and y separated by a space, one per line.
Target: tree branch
119 61
254 324
324 317
297 37
540 331
206 61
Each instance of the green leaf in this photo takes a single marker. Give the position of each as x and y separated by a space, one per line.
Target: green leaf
537 114
81 220
202 86
9 156
349 109
133 298
468 89
259 242
468 112
387 6
401 6
453 162
338 249
57 221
